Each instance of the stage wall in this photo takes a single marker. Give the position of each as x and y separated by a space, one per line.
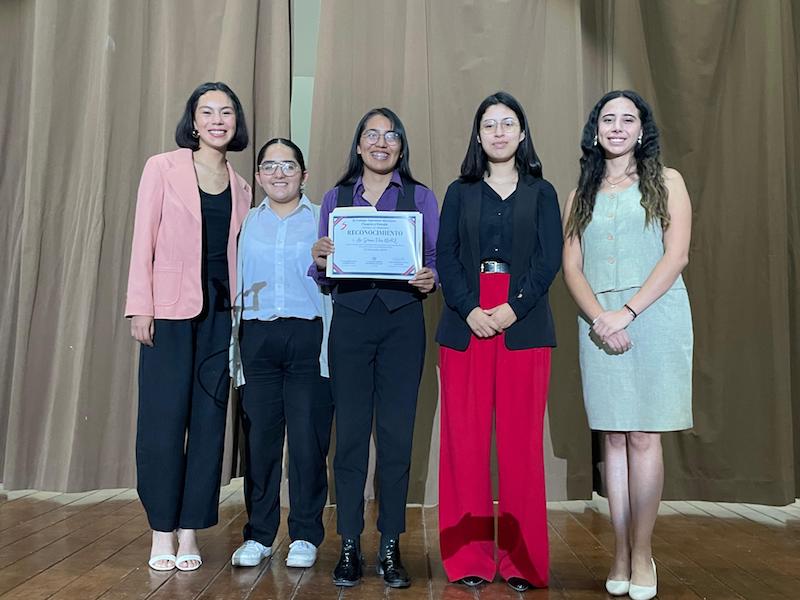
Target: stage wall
93 88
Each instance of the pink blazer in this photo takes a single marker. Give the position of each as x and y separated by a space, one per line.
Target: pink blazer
164 280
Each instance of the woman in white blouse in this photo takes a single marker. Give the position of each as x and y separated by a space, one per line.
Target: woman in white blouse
278 356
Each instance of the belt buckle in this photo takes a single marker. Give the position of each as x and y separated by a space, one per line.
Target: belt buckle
490 266
495 266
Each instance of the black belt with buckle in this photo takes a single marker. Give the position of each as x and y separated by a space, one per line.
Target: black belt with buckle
495 266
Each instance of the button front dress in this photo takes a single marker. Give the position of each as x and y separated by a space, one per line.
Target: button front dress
649 387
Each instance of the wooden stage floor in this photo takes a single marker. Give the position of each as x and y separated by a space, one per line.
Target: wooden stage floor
95 545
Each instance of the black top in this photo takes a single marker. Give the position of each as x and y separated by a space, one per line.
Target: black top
216 211
497 217
535 260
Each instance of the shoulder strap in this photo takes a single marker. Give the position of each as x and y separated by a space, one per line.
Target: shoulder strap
406 200
344 197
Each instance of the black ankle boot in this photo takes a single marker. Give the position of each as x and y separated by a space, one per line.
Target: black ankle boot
391 566
348 570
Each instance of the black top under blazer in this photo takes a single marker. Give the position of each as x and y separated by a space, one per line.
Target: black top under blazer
536 258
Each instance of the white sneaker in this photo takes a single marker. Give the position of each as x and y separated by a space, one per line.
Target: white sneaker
250 554
301 554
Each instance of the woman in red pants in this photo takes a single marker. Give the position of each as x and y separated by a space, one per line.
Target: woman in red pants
499 249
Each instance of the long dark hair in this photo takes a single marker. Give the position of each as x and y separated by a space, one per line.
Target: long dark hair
183 132
649 167
355 165
476 162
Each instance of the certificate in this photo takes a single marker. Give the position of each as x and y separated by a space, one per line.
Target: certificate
372 244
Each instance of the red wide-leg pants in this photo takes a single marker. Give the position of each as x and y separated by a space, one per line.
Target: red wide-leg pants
486 378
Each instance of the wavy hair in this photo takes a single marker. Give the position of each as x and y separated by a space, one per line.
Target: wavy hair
649 167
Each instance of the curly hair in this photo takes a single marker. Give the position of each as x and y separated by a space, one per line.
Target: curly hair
649 167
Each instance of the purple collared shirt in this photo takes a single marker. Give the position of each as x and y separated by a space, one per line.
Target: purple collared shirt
424 200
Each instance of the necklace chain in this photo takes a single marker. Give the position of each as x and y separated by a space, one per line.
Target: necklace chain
210 169
614 184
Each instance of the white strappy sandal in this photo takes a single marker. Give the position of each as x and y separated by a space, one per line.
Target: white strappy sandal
186 558
158 558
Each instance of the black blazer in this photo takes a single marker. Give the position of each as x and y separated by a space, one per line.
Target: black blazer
536 258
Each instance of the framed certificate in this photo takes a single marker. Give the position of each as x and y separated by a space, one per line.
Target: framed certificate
372 244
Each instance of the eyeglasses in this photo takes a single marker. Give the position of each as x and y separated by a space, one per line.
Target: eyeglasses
506 125
392 138
269 167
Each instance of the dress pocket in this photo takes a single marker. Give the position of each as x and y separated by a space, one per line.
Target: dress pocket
167 282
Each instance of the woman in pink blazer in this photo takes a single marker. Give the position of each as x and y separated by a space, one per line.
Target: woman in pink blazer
190 206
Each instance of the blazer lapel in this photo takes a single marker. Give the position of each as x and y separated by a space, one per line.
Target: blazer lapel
183 180
240 200
523 228
472 215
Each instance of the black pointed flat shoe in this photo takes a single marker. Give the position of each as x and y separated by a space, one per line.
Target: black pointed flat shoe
518 584
472 580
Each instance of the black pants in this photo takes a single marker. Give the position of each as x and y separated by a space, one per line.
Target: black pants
284 391
376 361
183 396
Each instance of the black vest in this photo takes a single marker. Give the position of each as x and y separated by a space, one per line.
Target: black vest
357 294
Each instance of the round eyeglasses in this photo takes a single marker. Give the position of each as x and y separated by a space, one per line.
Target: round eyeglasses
392 138
506 125
287 167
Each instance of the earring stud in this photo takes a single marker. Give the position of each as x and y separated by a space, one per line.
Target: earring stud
594 141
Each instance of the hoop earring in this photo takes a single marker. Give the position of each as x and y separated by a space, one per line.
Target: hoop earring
195 133
594 141
639 139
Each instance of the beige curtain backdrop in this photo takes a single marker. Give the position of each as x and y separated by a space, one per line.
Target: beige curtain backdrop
723 78
438 60
90 90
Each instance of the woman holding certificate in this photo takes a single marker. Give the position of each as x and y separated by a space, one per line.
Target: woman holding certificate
279 327
499 249
376 346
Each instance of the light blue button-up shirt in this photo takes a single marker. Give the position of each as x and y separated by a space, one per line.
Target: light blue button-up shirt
276 252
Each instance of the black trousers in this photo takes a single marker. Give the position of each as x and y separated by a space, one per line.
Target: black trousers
183 397
284 391
376 361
